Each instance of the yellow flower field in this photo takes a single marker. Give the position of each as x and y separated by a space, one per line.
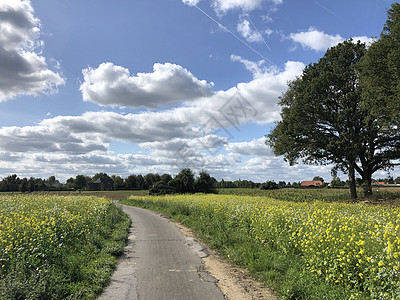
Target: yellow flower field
353 245
56 242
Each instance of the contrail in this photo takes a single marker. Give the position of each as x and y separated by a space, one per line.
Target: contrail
232 33
265 43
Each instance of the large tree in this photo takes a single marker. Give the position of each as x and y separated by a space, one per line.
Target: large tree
321 114
380 82
345 109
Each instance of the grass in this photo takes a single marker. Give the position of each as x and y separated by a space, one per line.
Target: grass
303 250
58 247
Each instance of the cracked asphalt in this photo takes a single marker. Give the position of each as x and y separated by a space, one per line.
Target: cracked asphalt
160 263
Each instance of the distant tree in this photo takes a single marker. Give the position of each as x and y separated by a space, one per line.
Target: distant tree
397 180
11 183
150 179
139 182
281 184
70 183
166 178
184 182
205 183
118 182
40 184
225 184
32 184
23 185
318 178
269 185
296 185
99 175
130 182
51 180
80 182
336 182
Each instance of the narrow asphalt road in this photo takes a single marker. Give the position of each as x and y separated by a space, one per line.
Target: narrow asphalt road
160 263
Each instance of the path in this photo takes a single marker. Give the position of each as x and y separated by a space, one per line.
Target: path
160 263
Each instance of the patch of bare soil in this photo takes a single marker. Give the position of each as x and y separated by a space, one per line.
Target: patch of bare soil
234 282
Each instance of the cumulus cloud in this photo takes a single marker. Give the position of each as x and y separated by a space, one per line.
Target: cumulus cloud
249 34
256 147
205 123
316 40
168 84
320 41
44 138
22 70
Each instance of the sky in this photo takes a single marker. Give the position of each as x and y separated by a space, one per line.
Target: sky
132 87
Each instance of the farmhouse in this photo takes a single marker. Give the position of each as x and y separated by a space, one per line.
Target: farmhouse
101 184
312 184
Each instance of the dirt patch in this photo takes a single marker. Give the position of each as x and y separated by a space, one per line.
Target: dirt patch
234 282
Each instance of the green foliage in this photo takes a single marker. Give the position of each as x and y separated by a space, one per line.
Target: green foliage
205 183
184 181
321 116
161 188
270 185
80 182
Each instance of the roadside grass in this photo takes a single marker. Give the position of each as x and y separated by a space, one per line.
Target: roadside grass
58 247
302 250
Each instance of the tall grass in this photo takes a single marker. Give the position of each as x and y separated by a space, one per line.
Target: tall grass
58 247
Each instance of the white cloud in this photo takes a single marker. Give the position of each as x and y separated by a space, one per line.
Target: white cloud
222 6
363 39
255 147
256 68
203 122
22 70
191 2
316 40
250 35
320 41
169 84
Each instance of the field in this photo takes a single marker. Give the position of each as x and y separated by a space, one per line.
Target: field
304 248
58 247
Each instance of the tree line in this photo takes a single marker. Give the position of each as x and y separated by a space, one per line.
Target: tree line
184 182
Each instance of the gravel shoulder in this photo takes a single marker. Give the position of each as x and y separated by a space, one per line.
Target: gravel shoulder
234 282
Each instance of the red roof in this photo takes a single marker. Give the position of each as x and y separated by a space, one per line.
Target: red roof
311 183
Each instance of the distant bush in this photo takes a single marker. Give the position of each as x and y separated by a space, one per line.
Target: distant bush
161 188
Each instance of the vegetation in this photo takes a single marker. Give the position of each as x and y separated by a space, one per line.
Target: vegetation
58 247
345 109
304 250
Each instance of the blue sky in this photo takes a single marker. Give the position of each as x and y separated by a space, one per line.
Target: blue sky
131 87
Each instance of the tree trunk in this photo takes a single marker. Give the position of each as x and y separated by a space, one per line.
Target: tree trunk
352 182
367 184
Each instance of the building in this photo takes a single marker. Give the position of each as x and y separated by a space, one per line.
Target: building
312 184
